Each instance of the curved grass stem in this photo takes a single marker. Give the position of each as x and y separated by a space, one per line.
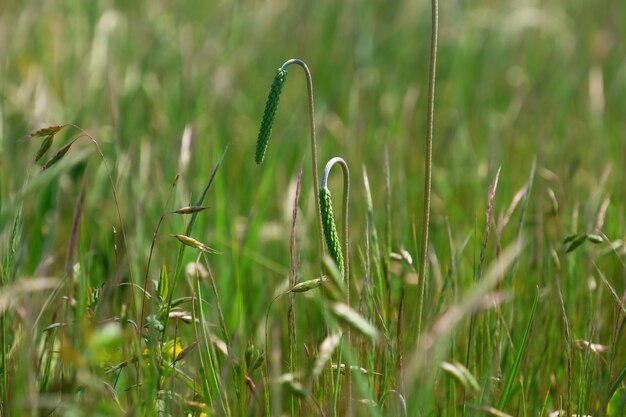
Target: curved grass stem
345 268
269 115
331 238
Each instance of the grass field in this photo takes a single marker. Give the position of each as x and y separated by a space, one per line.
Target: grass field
104 310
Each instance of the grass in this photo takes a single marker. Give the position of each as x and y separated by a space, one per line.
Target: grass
104 312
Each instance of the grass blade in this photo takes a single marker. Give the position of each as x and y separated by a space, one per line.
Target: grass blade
508 387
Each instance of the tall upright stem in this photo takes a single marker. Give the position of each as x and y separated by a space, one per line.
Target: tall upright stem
309 86
428 156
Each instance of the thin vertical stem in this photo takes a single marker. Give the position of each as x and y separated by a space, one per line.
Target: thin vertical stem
428 156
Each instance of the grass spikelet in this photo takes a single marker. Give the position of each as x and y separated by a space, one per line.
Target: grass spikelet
189 210
327 347
57 156
193 243
333 287
330 230
309 285
269 115
354 320
183 316
47 131
462 375
45 145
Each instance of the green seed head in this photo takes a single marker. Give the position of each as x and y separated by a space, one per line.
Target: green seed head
45 145
269 114
330 231
309 285
57 156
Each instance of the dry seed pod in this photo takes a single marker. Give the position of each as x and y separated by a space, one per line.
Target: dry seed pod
330 230
191 242
269 115
45 145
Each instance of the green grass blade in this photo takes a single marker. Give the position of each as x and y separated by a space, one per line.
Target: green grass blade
508 387
181 251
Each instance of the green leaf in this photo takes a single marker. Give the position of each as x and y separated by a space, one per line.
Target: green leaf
163 283
617 404
510 380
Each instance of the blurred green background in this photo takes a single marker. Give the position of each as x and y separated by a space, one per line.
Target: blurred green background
517 80
165 87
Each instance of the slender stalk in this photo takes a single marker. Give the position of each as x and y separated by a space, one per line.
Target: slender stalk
428 156
293 282
309 87
346 259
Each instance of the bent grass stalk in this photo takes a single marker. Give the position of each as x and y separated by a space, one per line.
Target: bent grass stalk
267 122
332 240
328 222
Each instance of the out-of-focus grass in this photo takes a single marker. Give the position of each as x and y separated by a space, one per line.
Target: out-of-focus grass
516 81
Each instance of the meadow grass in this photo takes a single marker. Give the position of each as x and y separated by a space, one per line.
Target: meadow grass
162 272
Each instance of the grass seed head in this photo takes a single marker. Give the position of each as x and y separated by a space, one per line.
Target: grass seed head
353 319
191 242
325 352
45 145
189 210
269 115
57 156
330 230
309 285
47 131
